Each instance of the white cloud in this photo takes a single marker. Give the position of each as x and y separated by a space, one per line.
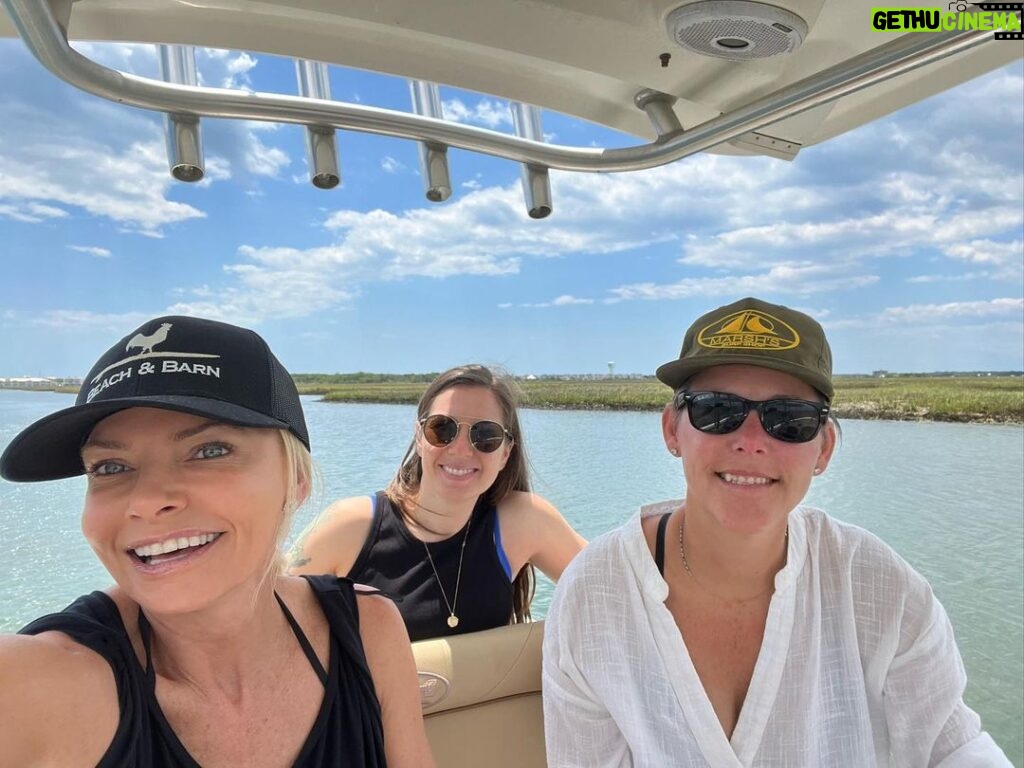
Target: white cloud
937 317
262 160
30 213
566 300
111 159
126 185
102 253
490 113
927 313
791 279
802 238
963 277
237 64
988 252
263 293
827 222
68 319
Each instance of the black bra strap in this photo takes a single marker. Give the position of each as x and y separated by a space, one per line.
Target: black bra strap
659 543
307 649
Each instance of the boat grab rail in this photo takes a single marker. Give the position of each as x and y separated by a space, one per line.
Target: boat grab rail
45 37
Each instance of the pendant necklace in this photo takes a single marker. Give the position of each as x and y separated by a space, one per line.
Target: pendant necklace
686 566
453 620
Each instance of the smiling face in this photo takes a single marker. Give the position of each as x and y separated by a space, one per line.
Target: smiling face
747 481
458 472
182 510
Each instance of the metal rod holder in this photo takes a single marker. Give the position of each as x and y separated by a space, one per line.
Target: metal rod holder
41 30
426 101
321 145
658 107
535 178
181 131
537 191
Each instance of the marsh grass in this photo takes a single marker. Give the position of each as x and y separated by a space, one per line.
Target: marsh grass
937 398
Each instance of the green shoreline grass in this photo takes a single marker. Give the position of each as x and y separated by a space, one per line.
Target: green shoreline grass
976 399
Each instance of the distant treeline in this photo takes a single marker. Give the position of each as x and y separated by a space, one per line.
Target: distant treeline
360 377
969 398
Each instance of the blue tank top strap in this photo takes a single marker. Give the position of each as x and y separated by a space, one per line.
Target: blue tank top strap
499 548
394 561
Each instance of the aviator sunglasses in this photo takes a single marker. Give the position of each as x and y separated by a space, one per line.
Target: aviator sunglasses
787 419
486 436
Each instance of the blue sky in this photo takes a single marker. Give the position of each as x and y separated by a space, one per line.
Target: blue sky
904 237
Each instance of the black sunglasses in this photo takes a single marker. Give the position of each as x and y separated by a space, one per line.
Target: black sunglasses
486 436
786 418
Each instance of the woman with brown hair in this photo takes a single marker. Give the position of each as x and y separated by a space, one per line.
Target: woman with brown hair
455 537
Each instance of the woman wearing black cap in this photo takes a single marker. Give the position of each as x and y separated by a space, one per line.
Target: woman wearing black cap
193 439
736 628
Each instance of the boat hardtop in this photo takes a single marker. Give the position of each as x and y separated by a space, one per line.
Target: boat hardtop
732 76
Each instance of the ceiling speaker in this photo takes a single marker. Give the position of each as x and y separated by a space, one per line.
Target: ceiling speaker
736 29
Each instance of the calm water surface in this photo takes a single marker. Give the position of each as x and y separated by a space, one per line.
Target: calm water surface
948 497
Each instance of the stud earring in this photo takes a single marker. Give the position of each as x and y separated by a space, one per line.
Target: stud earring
674 452
818 470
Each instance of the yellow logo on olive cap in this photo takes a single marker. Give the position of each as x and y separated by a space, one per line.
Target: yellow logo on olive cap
748 329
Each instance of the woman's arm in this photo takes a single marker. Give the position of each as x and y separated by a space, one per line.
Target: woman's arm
929 722
58 702
579 732
533 531
332 542
389 656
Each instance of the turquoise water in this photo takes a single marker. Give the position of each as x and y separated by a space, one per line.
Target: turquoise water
948 497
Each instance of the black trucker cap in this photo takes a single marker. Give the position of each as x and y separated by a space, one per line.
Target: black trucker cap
187 364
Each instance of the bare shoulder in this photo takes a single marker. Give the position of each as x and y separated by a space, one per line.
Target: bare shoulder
531 515
389 657
385 640
58 701
534 531
532 506
379 619
331 543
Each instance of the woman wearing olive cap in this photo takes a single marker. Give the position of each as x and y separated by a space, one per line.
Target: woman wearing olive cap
737 628
195 447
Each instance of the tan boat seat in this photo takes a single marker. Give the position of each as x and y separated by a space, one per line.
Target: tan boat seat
481 697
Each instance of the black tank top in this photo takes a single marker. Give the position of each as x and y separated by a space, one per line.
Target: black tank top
347 732
395 561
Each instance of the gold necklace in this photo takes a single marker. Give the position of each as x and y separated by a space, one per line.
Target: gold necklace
686 565
453 620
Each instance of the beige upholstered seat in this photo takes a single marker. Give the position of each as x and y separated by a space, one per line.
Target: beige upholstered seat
481 697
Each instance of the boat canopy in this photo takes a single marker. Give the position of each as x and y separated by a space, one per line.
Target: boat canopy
730 76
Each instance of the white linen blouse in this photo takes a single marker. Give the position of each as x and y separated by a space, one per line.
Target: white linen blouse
858 666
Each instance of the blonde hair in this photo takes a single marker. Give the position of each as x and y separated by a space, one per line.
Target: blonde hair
302 477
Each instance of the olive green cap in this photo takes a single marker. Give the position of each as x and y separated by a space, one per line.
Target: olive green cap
754 332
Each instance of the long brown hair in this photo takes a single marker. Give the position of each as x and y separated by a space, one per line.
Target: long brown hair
512 477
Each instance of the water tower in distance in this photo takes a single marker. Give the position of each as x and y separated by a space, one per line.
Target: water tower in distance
611 369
